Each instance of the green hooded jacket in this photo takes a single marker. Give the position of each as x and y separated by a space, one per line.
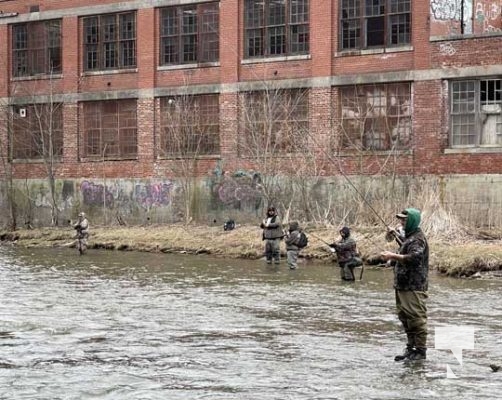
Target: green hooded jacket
412 221
411 273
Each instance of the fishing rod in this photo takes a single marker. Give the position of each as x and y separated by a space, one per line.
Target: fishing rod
393 232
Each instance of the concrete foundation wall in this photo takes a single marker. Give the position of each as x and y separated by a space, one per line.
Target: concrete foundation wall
475 200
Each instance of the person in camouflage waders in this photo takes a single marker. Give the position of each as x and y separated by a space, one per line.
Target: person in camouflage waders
411 270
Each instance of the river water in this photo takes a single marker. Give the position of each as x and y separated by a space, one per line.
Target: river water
118 325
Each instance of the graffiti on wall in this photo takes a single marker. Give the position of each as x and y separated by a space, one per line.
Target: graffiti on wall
478 16
488 16
126 194
94 194
446 10
240 191
447 49
154 194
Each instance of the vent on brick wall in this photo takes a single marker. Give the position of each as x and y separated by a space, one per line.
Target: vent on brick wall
35 8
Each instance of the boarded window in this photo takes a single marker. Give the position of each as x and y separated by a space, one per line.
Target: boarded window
189 34
190 126
274 121
476 112
110 129
36 48
375 117
109 41
37 132
276 27
374 23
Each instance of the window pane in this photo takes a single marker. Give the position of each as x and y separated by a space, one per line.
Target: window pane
109 41
110 129
189 126
189 34
273 121
36 48
375 117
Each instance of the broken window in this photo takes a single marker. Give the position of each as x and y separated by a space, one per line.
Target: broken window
110 129
36 48
273 121
109 41
374 23
37 132
276 27
189 34
189 126
375 117
476 112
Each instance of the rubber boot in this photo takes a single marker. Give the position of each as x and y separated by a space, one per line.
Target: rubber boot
418 354
408 352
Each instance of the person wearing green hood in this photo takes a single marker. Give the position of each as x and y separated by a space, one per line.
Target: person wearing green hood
411 270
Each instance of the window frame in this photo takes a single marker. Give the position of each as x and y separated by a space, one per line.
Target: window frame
109 41
273 112
26 137
192 123
37 48
197 45
109 129
467 108
356 125
355 15
268 34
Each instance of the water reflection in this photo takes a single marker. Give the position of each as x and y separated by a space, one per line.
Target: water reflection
118 325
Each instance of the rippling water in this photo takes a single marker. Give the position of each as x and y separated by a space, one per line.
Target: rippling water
117 325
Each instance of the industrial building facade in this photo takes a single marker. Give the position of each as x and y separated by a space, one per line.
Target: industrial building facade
129 89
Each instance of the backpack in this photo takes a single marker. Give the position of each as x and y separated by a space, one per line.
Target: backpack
302 240
229 225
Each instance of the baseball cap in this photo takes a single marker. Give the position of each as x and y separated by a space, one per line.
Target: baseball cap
402 215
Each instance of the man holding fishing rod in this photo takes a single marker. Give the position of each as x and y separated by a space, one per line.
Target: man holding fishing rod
411 268
348 256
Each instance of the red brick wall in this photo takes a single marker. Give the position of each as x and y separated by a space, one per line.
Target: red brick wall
430 127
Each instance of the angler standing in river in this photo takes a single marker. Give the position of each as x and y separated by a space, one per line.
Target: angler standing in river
347 254
411 283
272 235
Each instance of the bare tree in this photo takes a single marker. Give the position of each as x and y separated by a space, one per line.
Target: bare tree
37 135
7 172
189 131
273 127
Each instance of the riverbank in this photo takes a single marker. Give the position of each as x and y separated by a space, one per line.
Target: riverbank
477 255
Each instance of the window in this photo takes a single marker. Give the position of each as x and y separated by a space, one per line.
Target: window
189 34
375 117
276 27
374 23
36 48
110 129
37 132
110 41
190 126
476 113
274 121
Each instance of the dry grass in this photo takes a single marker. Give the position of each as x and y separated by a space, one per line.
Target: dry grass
459 255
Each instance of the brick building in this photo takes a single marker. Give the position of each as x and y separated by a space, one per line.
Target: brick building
130 90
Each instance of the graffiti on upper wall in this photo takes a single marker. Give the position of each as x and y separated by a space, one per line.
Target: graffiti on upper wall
447 49
477 16
444 10
488 16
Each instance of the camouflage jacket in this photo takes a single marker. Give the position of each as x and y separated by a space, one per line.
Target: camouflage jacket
346 249
412 272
